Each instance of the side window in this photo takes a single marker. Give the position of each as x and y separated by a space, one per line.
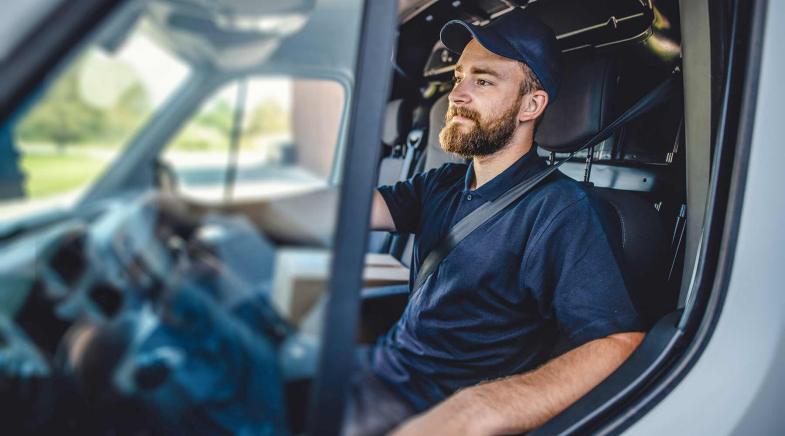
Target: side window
259 138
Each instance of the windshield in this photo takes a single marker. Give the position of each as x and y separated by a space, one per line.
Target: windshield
167 219
82 120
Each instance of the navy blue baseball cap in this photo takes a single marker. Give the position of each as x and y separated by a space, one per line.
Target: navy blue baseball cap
516 35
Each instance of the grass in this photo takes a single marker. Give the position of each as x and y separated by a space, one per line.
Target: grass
50 174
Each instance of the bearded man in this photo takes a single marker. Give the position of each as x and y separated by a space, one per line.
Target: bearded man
473 352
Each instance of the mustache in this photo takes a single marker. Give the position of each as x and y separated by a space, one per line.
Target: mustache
462 112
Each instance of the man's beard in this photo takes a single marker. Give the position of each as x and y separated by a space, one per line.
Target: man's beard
483 139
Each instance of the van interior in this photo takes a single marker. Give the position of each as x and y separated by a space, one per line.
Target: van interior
135 305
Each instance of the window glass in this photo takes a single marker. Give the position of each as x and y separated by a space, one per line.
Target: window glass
261 137
83 119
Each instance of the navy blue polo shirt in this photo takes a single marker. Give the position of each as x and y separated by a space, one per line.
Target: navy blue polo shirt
540 273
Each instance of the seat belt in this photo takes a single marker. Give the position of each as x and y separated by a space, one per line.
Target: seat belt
486 211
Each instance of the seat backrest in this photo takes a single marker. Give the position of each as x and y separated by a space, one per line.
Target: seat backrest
397 122
635 229
434 158
586 104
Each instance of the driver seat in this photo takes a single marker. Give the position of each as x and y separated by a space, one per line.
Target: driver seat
586 103
635 228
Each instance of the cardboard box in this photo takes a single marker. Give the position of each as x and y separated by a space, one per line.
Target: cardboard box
300 278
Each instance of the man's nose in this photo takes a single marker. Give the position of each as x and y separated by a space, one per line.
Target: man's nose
459 95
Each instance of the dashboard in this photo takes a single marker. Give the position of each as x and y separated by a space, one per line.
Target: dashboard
151 316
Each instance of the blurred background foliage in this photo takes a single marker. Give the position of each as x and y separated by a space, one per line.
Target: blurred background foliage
67 134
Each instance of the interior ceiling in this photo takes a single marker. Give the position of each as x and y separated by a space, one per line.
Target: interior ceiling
578 24
482 9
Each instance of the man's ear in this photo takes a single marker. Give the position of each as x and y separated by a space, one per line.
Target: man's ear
533 105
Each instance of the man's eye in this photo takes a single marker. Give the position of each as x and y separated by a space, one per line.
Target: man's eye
482 82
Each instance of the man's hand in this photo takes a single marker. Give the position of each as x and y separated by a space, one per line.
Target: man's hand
526 401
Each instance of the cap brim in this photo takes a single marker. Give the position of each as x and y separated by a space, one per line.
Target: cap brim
456 34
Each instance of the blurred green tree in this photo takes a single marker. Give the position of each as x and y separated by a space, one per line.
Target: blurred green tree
267 117
62 117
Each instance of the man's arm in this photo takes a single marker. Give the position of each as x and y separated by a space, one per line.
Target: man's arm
526 401
381 219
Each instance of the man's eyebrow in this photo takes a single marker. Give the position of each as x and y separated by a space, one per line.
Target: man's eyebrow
488 71
479 70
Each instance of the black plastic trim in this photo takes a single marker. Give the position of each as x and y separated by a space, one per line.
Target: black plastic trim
331 386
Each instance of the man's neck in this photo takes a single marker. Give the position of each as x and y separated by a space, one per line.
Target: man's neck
488 167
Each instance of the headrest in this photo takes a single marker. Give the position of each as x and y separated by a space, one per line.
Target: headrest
397 121
584 105
435 156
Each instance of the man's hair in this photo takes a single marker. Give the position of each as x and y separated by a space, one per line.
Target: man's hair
530 84
530 81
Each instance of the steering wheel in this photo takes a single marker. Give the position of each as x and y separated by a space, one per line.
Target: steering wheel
164 319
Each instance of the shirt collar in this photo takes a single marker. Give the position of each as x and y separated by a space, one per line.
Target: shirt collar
525 167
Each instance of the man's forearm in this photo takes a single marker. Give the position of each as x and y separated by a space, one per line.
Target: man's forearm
526 401
522 402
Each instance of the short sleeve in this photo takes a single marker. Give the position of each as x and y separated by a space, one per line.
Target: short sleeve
405 200
574 275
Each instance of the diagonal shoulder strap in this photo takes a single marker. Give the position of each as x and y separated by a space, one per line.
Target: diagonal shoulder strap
482 214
